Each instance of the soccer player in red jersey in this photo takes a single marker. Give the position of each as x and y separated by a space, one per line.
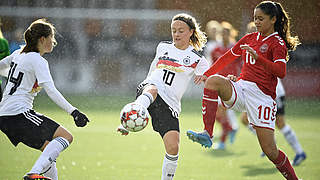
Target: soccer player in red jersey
265 55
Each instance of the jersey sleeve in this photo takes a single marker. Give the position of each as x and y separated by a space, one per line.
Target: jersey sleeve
236 50
5 63
202 67
57 97
279 52
42 71
155 60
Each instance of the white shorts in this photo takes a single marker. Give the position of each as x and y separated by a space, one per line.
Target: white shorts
247 97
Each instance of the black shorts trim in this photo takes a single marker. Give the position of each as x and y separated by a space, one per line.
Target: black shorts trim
281 105
30 128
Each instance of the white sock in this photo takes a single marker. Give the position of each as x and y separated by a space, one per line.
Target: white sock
49 155
233 119
51 171
169 166
291 139
145 99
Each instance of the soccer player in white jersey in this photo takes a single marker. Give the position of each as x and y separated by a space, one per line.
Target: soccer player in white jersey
264 54
284 128
29 72
170 72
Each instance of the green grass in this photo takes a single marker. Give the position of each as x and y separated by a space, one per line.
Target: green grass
99 153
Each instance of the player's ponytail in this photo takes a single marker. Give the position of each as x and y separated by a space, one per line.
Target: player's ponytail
282 24
37 29
198 39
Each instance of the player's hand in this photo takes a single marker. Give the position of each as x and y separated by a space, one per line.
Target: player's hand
122 130
251 51
232 77
80 119
204 78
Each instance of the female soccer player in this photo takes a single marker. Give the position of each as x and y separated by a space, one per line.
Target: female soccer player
265 55
281 124
173 67
29 72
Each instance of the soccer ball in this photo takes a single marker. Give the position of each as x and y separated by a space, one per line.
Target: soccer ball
134 117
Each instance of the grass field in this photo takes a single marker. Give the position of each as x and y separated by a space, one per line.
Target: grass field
99 153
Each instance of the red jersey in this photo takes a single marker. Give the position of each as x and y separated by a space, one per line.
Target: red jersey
232 68
271 48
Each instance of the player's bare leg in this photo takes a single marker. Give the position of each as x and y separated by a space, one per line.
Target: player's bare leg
268 146
170 162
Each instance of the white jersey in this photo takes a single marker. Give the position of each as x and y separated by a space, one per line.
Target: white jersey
172 69
280 89
210 46
27 71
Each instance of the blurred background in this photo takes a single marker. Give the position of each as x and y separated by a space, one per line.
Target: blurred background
106 46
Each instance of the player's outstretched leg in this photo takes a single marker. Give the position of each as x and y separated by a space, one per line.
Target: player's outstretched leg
202 138
35 177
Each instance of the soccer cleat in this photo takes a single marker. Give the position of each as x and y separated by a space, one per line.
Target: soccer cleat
221 146
202 138
299 158
232 135
35 177
123 130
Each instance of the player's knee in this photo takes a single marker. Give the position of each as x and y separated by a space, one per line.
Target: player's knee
172 148
215 82
68 137
153 90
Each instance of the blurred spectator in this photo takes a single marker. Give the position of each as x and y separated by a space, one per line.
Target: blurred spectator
213 30
17 40
251 27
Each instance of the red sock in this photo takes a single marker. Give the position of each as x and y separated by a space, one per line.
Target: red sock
283 165
226 128
209 109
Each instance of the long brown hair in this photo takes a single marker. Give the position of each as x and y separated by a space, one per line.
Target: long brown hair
198 39
282 24
37 29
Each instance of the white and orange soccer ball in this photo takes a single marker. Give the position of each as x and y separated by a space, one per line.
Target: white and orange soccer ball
134 117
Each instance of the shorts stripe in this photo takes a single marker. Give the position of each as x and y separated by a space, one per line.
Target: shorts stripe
208 99
37 121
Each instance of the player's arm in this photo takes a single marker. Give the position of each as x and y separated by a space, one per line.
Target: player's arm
221 62
79 118
5 64
276 67
44 78
231 55
202 67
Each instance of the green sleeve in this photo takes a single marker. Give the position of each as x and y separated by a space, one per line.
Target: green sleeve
4 48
